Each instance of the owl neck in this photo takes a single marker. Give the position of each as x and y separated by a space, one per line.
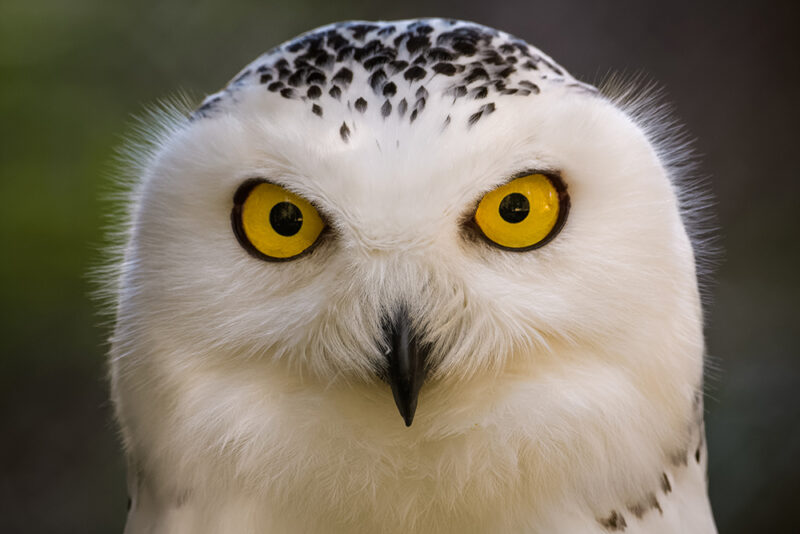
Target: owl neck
501 454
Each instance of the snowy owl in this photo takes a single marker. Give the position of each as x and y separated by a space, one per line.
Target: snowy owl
424 216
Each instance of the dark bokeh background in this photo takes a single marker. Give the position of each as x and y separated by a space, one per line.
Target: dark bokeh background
73 72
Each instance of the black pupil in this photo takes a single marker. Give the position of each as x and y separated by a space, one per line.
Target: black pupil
514 208
285 218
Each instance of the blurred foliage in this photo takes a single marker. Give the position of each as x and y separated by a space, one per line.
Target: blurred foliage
73 72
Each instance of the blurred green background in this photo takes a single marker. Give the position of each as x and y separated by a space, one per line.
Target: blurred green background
72 74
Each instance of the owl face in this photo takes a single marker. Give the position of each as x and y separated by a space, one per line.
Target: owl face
504 229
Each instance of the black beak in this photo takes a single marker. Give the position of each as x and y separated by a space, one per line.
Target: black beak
406 363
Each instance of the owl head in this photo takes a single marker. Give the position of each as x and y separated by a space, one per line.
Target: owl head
410 210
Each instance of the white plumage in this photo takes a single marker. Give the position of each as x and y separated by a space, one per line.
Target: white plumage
564 383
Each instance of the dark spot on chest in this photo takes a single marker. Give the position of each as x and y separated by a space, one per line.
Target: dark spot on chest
183 498
666 487
650 502
614 522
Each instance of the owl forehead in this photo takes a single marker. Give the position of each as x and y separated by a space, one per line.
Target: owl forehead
392 70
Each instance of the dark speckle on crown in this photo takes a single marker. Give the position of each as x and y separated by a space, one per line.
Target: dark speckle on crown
393 63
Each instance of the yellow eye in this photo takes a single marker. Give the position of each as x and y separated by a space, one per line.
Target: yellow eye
272 223
525 213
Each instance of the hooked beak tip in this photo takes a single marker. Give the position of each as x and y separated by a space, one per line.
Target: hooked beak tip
407 361
406 410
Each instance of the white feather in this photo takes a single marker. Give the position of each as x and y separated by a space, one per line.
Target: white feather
567 379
